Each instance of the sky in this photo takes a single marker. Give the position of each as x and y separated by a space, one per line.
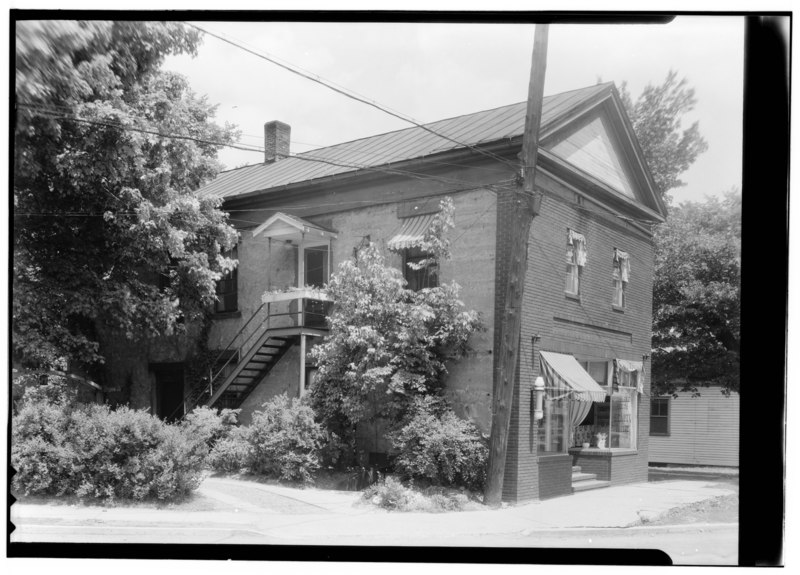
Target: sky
431 71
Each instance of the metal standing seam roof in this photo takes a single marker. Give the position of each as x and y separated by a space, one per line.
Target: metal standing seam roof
472 129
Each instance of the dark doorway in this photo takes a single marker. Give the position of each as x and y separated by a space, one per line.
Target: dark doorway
169 390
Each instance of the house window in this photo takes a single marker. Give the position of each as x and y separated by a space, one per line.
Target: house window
552 429
659 416
617 416
622 425
576 259
228 288
316 265
426 276
619 277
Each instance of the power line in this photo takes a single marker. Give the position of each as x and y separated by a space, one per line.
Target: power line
349 94
43 110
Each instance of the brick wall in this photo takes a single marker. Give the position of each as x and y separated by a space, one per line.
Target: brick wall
555 476
265 264
588 327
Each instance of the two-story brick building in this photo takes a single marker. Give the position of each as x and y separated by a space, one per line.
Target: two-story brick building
587 309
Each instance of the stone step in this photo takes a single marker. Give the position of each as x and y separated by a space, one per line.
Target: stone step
590 484
576 469
583 476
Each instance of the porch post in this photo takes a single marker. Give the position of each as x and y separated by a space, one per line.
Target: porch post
302 364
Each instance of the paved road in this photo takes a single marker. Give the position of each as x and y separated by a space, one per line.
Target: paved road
234 512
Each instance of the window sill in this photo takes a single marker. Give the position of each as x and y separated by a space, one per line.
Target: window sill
659 435
573 296
617 308
227 315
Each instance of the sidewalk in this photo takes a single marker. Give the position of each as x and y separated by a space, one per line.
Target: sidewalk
313 516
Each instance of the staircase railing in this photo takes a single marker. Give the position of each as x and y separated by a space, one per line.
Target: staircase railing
205 388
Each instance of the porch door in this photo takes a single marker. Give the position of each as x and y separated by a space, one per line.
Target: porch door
169 390
315 273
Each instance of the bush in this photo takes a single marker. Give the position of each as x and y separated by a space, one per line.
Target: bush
61 448
210 425
438 447
284 440
231 453
392 495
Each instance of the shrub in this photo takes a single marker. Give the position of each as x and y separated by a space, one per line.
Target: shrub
284 440
392 495
231 453
210 425
60 448
435 445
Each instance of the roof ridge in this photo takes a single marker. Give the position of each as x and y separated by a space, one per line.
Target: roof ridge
426 124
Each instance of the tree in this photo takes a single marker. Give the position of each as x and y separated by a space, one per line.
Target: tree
386 344
108 236
656 117
697 296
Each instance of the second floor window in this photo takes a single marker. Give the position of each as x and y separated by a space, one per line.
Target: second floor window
619 277
228 288
418 275
576 259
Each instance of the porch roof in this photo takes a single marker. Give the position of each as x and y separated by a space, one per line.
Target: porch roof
288 227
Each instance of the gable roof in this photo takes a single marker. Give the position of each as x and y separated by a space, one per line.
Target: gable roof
476 129
282 225
471 129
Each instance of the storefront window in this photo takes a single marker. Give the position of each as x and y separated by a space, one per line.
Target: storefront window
552 429
616 417
622 432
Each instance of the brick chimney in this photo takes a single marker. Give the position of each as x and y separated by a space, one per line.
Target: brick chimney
277 137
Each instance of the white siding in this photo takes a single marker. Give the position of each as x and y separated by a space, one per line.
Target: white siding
702 430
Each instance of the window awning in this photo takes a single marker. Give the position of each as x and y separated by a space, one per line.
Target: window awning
411 232
564 373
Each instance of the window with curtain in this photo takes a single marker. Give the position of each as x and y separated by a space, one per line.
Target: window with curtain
622 425
576 259
417 277
617 416
619 277
552 429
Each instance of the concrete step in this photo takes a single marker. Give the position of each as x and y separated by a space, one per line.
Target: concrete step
576 469
590 484
583 477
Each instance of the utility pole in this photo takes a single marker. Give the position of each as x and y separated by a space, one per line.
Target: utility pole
506 371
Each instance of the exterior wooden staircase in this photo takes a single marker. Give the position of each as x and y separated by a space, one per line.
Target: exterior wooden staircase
254 366
252 353
585 481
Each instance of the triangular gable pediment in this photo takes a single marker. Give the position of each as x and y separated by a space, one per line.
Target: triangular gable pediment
592 148
287 227
599 143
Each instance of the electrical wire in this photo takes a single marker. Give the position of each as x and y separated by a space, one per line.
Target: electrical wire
304 157
348 93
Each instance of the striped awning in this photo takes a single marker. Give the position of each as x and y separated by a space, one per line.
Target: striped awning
563 373
411 232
